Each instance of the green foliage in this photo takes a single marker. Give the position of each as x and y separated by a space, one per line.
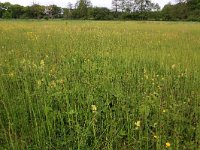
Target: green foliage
7 15
35 11
56 11
122 10
82 9
182 11
98 13
17 11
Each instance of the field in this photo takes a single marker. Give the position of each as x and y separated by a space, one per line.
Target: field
99 85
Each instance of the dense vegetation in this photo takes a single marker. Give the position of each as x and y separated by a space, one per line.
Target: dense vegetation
122 10
99 85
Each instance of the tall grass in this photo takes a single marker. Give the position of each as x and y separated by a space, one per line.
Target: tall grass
99 85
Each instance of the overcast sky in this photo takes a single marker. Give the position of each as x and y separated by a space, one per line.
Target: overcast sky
63 3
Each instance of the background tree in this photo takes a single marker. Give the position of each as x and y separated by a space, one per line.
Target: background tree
82 8
116 5
56 11
167 12
68 11
123 9
35 11
122 5
129 5
100 13
17 11
5 11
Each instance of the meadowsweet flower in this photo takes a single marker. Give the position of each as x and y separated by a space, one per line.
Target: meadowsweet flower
167 145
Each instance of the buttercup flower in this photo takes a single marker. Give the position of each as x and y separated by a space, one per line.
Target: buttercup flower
42 62
168 145
94 108
137 124
173 66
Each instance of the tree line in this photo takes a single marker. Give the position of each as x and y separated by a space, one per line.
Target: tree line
121 10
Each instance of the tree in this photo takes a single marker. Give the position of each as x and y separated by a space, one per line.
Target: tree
5 8
193 4
167 12
194 10
17 11
122 5
68 12
100 13
129 5
156 7
7 15
53 11
35 11
116 5
82 8
143 5
1 10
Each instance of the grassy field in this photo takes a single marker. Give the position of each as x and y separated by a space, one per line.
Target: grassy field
99 85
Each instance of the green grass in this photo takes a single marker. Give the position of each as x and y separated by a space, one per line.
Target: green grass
99 85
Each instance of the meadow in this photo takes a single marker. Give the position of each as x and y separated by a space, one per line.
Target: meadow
99 85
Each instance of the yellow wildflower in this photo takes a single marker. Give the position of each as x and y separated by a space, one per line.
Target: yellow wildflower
42 62
173 66
146 77
155 137
62 81
94 108
168 145
11 74
137 124
39 82
53 84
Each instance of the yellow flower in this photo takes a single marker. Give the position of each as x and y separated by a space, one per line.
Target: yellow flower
94 108
168 145
23 61
155 137
173 66
53 84
11 74
39 82
146 77
42 62
62 81
137 124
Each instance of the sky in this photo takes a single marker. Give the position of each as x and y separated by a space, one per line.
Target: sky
63 3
